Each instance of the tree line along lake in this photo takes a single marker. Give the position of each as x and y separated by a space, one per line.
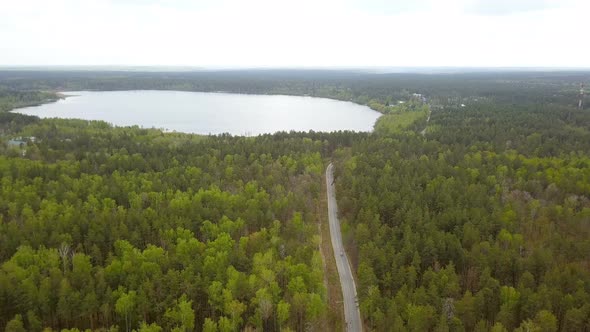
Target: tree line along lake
209 113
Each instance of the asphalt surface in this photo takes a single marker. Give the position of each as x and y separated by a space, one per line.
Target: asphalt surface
351 310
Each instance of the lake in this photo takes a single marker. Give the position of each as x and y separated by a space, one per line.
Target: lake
210 113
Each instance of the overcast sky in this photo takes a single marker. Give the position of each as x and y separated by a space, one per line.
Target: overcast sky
299 33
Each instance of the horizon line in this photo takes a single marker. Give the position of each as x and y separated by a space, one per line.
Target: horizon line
374 69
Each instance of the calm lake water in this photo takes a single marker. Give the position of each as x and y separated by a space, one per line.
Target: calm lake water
210 113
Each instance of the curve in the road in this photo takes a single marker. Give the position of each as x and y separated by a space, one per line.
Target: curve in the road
351 309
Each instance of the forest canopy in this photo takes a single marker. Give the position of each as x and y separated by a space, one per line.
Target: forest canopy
468 210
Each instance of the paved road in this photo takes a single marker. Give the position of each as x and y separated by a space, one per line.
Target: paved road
351 310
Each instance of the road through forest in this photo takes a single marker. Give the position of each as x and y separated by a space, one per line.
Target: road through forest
423 132
351 310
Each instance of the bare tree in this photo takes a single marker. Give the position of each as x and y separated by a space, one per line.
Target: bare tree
64 252
449 307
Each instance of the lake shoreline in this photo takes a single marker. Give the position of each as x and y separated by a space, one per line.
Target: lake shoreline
58 96
208 113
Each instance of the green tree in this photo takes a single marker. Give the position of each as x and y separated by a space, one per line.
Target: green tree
183 314
15 324
225 325
283 312
546 321
209 325
498 327
420 318
33 322
125 306
153 327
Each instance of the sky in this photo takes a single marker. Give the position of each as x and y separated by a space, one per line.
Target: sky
299 33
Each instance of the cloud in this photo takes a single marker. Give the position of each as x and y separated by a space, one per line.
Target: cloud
508 7
477 7
391 7
267 33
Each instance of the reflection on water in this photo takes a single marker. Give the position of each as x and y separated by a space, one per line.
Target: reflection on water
210 113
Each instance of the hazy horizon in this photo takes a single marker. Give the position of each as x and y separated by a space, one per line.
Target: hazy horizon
361 69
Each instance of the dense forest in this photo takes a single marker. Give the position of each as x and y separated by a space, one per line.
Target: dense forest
480 222
484 225
377 90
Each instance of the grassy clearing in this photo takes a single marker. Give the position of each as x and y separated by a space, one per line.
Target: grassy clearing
402 121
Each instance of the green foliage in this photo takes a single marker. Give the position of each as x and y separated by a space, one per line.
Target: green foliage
103 226
144 327
481 224
125 305
15 325
402 120
209 325
183 315
546 321
11 98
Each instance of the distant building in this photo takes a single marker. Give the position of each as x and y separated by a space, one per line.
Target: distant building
21 142
419 97
16 143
